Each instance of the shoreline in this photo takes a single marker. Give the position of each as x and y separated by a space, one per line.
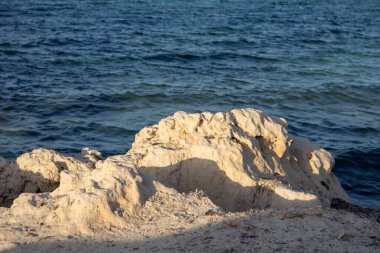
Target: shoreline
223 182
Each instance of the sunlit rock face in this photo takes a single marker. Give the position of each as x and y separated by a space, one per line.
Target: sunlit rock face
34 172
242 159
87 199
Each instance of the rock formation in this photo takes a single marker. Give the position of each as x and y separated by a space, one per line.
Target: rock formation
241 159
34 172
89 199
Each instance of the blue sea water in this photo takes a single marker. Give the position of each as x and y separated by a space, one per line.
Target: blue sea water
92 73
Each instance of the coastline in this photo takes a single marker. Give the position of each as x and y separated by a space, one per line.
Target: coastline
223 182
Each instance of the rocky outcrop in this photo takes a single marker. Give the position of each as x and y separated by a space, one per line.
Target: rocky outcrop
46 166
34 172
89 199
242 159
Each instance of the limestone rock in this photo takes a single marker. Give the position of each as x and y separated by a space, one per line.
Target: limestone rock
87 200
241 159
91 155
34 172
44 167
12 182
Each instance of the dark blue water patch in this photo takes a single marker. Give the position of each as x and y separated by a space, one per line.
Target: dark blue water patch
360 174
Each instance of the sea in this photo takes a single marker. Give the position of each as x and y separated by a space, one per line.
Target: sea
78 73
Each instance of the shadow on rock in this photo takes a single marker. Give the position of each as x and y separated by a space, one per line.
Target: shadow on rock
14 181
202 174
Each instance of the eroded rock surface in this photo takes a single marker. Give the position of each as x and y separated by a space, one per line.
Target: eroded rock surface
34 172
87 200
11 182
242 159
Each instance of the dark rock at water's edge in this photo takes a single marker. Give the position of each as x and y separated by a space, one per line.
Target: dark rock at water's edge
341 204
